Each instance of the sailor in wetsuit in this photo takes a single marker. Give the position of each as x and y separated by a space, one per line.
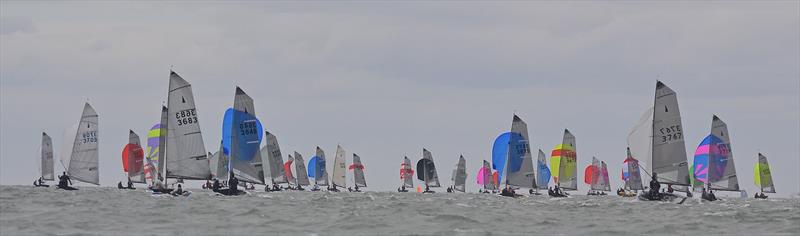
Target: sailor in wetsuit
178 191
654 185
64 181
215 186
130 183
233 184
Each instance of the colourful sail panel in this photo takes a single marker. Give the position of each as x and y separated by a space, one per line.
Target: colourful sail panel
152 152
500 151
543 178
133 159
762 175
407 173
241 141
631 173
564 163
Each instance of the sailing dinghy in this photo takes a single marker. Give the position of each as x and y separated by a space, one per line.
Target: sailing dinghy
406 175
426 171
631 176
132 161
339 176
762 177
564 163
300 168
273 163
658 140
459 176
358 173
713 167
83 164
45 162
317 170
486 179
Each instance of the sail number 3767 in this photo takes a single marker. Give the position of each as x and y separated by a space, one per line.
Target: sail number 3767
671 133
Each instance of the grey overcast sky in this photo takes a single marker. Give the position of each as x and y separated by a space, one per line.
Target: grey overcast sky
385 79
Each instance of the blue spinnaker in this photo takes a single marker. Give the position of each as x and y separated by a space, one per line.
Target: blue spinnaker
248 134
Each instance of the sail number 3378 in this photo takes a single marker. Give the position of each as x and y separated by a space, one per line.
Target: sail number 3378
671 133
186 117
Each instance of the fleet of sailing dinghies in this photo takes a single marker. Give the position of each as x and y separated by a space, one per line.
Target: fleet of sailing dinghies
175 151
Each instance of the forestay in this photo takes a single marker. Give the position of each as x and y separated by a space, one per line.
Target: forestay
186 153
83 161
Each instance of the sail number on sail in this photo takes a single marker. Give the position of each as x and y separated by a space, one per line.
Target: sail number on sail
187 116
247 127
671 133
89 137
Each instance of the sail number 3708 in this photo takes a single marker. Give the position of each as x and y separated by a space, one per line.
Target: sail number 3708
186 117
671 133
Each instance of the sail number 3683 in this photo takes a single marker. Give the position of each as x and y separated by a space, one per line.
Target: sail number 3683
89 137
186 117
671 133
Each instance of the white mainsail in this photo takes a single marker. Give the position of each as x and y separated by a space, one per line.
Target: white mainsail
300 168
83 161
519 146
273 163
460 175
668 149
135 165
338 178
46 160
358 172
186 154
727 179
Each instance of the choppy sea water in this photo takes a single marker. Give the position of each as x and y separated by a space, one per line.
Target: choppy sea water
108 211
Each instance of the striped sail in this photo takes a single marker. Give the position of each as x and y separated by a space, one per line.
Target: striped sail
338 177
300 168
186 154
83 161
46 160
459 177
153 153
668 149
133 158
407 173
519 165
762 176
543 173
358 171
273 163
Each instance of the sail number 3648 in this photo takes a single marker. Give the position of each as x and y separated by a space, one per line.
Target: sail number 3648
186 117
671 133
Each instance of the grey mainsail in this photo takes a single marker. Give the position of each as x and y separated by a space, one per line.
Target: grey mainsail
221 171
726 180
83 161
634 180
135 165
407 173
338 177
358 172
519 146
46 160
668 149
300 168
430 177
274 161
567 168
460 175
186 153
247 165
